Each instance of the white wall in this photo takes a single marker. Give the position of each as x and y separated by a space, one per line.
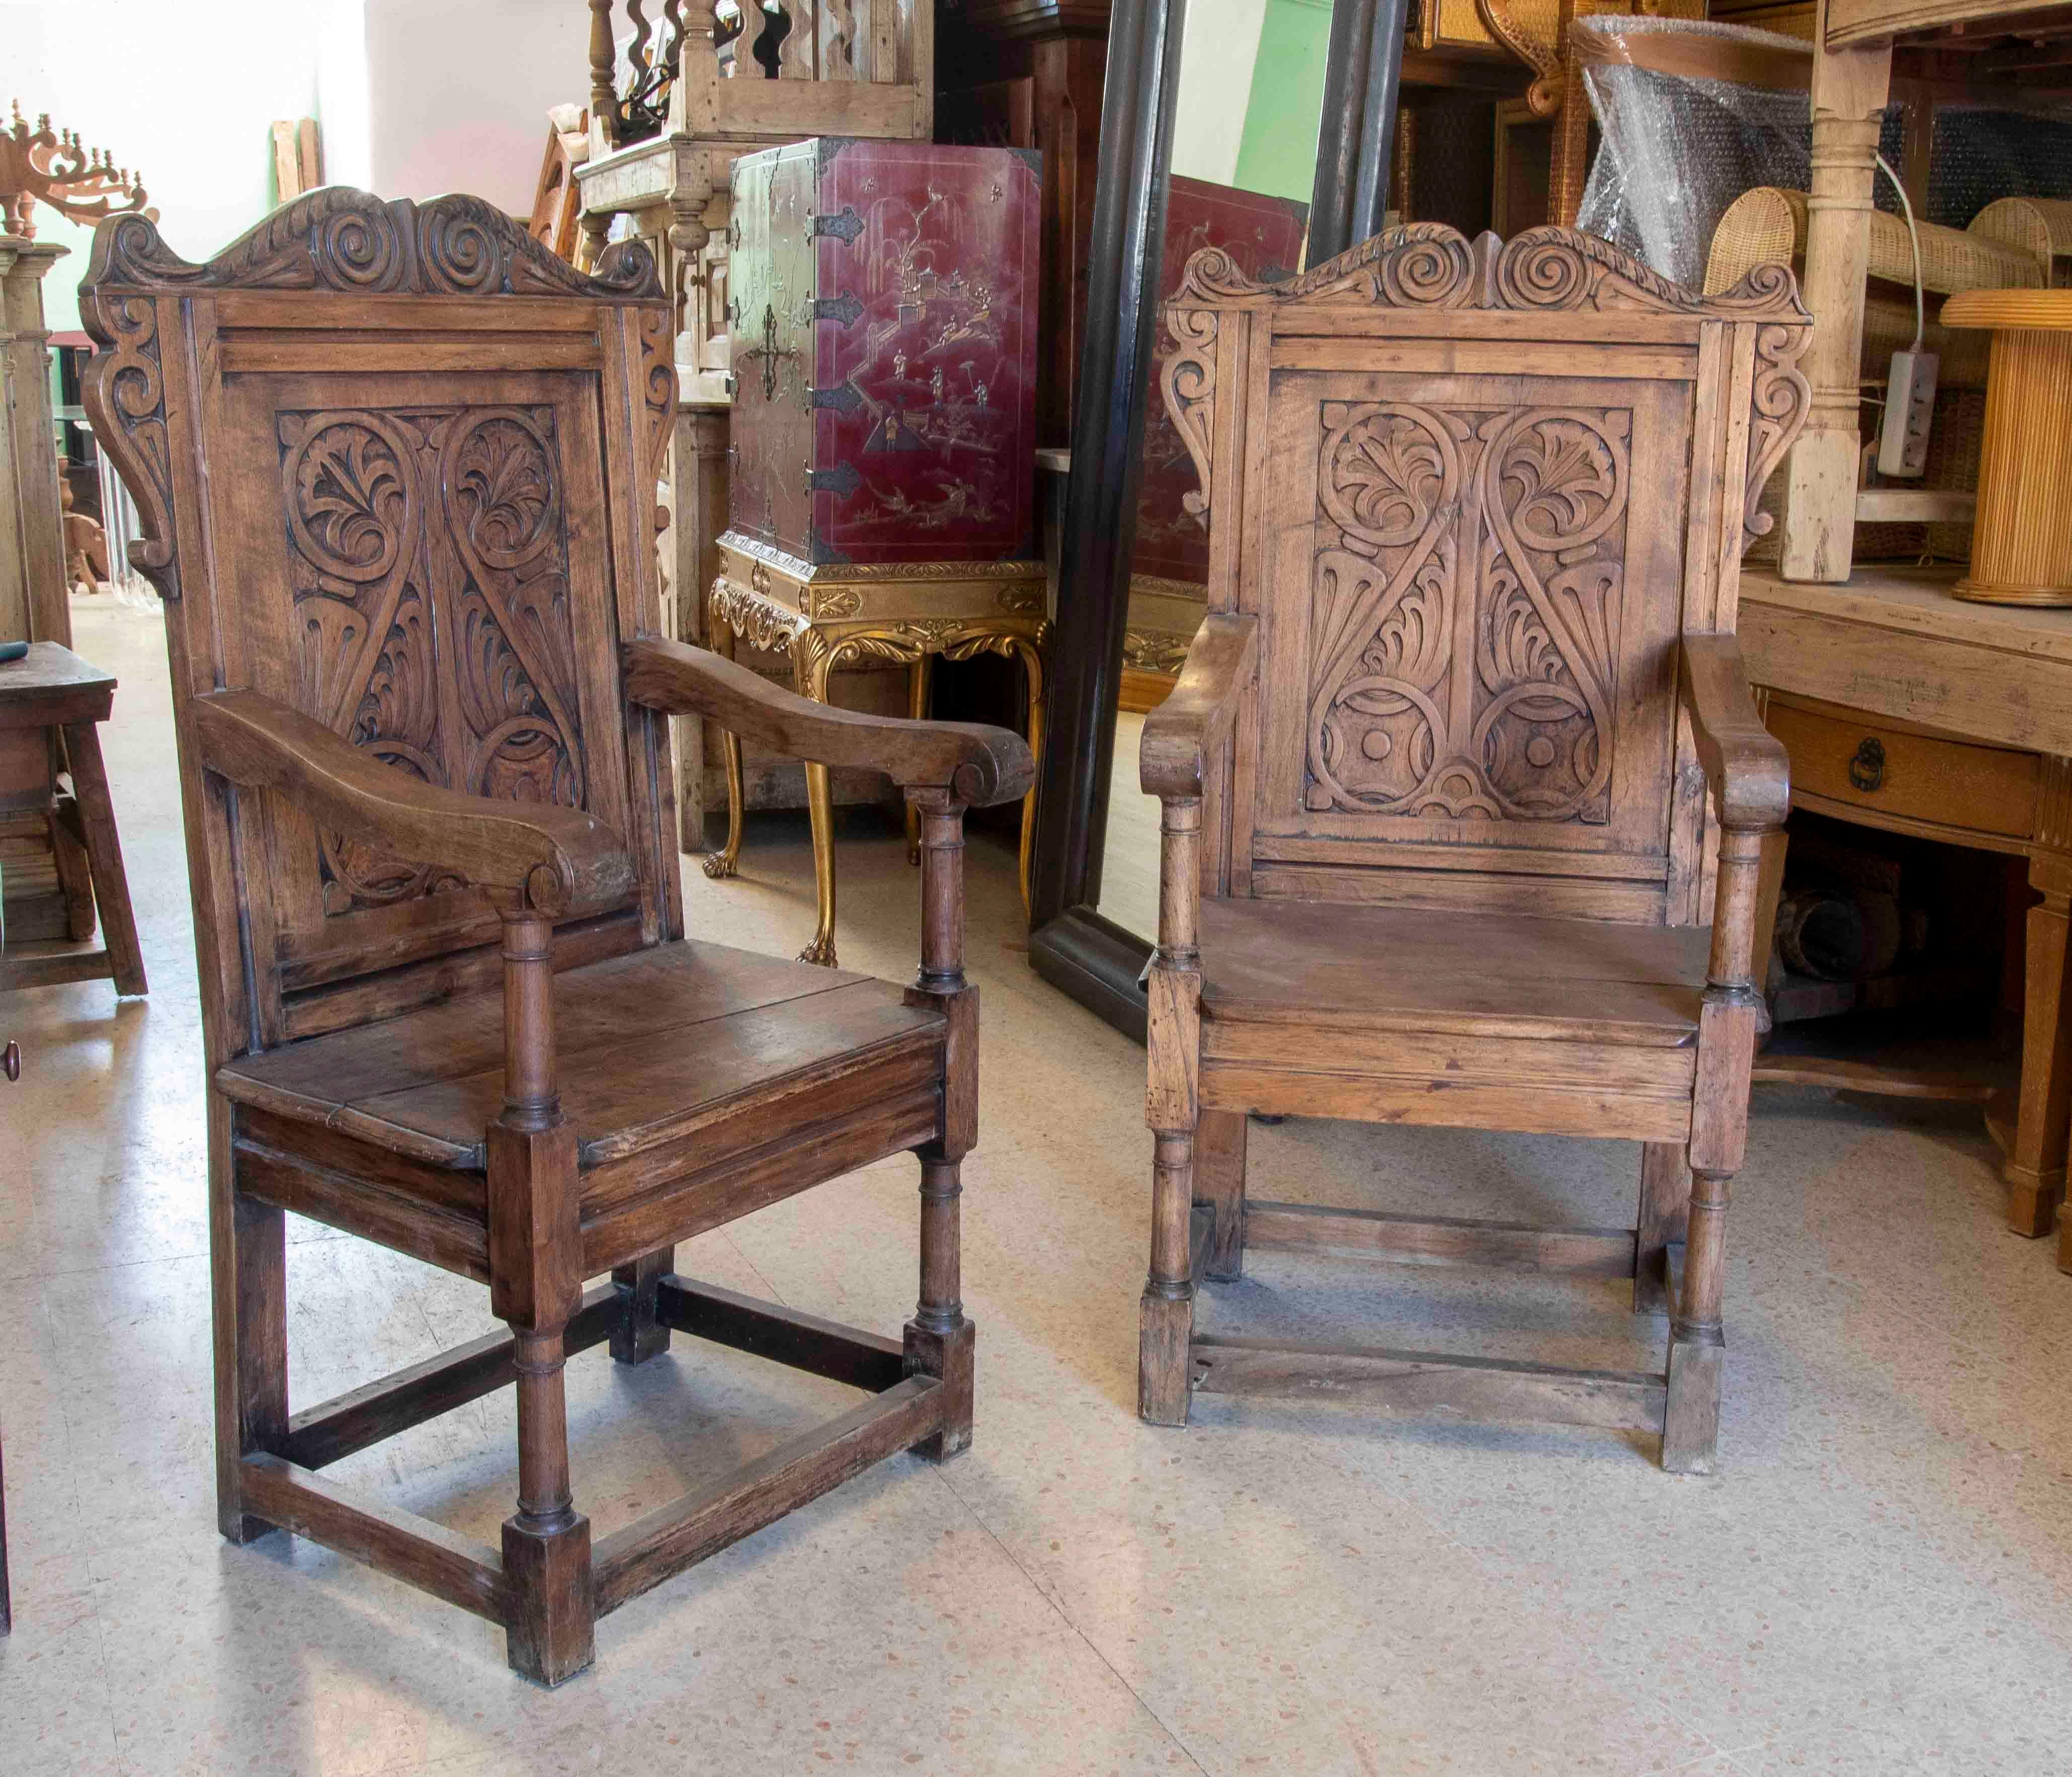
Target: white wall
460 93
181 91
413 98
1216 59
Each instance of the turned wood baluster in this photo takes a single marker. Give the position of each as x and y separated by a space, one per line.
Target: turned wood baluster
1727 1019
603 84
535 1282
1166 1315
939 1340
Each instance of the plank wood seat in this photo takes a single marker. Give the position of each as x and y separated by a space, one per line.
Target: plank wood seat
1464 793
397 466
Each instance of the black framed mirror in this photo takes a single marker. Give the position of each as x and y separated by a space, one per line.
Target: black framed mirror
1318 107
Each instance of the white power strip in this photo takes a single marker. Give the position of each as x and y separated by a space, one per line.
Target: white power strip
1910 404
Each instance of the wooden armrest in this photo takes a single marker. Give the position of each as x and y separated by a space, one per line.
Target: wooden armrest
550 859
1746 765
1179 734
977 764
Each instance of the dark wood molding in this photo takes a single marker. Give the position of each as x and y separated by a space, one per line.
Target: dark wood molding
1141 89
1348 201
1098 963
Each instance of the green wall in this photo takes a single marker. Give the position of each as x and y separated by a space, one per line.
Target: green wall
1277 154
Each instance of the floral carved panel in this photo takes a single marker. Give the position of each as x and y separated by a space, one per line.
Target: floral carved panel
428 553
1466 612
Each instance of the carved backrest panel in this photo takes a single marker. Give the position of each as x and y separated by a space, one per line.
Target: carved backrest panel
1476 494
397 467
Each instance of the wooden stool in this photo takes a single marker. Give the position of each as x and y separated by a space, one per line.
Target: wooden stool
835 616
2021 539
49 693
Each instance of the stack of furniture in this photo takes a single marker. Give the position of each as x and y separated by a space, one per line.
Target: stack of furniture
666 124
1459 769
422 708
1956 717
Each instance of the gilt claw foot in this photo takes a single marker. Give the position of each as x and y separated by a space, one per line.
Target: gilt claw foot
821 950
717 866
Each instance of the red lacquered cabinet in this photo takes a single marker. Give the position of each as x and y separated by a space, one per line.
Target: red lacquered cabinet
884 341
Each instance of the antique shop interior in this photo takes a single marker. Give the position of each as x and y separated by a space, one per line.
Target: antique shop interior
1035 885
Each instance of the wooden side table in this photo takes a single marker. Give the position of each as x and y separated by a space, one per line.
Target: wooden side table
909 613
48 694
1956 720
2022 538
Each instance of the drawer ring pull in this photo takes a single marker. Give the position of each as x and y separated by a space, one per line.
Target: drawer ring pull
1867 769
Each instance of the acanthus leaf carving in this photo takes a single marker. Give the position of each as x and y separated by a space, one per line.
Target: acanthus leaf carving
425 545
1460 539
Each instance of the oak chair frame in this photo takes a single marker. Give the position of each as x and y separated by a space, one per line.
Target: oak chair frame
1423 301
340 284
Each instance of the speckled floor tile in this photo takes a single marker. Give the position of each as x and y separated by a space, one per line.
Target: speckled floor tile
1878 1581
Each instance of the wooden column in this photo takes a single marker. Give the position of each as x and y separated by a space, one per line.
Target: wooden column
1165 1316
938 1340
1849 91
697 495
1349 197
32 604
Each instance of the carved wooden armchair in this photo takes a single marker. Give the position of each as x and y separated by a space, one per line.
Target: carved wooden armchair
1476 516
397 466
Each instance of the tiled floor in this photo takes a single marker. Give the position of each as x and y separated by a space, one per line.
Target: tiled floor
1876 1582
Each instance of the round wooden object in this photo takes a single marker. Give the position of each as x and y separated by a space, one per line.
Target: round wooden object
2021 536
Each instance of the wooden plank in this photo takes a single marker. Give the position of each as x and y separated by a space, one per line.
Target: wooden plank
1427 1382
1444 1241
649 1550
784 1336
1897 644
321 1435
411 1548
465 354
423 1230
77 966
685 1204
1441 1105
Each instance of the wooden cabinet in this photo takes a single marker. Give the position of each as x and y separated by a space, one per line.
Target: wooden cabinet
883 322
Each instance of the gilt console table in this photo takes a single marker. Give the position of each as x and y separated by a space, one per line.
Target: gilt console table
1967 710
909 613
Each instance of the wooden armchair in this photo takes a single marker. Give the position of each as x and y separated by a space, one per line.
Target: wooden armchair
1476 517
396 466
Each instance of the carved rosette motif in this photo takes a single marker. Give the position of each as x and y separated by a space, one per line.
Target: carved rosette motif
428 556
1467 611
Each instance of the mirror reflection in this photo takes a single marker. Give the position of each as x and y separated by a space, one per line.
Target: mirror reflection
1244 157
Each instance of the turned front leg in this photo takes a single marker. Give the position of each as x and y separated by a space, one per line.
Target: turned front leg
939 1341
1728 1020
535 1283
1166 1315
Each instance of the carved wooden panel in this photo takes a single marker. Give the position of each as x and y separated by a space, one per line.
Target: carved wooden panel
1467 610
429 563
1479 616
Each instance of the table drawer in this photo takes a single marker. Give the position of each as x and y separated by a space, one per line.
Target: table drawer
1921 777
